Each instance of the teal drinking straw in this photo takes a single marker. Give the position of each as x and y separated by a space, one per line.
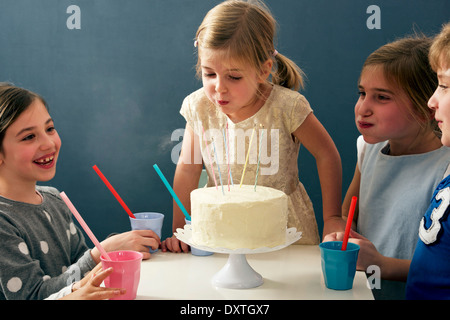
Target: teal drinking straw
186 214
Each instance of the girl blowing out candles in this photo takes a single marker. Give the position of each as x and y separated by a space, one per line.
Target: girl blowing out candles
250 87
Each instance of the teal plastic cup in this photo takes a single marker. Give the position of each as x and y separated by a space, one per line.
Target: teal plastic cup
338 267
195 251
148 221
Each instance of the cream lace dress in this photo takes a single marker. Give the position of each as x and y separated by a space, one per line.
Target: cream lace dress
272 146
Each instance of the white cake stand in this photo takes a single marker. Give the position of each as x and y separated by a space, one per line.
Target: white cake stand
237 273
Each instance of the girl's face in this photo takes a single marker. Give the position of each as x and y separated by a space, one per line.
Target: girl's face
30 147
382 111
440 103
232 88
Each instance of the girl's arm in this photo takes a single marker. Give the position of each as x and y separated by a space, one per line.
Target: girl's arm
316 139
187 175
353 190
22 276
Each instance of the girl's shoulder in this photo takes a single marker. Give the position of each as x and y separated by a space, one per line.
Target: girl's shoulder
285 98
50 191
11 212
280 91
197 97
286 108
289 105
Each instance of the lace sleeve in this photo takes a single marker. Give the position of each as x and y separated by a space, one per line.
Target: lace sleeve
300 110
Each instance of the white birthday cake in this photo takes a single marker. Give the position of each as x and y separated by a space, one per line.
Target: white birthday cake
239 218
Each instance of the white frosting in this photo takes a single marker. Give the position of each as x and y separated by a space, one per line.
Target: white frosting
240 218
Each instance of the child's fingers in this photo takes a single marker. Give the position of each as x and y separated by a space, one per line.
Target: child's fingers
96 269
107 293
98 278
356 235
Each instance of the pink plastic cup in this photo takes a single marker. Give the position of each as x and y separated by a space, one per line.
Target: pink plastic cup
126 272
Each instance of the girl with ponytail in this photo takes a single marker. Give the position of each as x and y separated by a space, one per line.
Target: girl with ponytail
250 91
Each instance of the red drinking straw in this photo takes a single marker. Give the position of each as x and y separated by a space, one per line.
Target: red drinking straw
349 223
110 187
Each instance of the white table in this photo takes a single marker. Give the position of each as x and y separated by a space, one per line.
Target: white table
292 273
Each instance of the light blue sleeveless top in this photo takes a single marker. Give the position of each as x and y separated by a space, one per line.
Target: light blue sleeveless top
395 192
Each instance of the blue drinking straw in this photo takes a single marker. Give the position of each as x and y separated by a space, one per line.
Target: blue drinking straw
186 214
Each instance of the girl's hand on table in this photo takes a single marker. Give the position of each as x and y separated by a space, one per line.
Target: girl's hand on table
174 245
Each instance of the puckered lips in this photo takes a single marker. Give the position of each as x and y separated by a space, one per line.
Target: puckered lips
364 125
45 162
222 102
439 123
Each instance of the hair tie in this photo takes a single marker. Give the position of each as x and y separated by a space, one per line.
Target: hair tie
275 52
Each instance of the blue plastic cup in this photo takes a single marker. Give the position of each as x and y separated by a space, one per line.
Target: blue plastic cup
195 251
148 221
338 267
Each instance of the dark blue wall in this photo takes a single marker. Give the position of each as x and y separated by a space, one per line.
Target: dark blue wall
115 85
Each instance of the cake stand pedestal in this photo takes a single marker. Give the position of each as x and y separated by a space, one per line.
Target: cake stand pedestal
237 273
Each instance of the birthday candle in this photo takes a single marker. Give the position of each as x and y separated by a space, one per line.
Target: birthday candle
259 156
217 161
248 153
228 152
209 155
228 160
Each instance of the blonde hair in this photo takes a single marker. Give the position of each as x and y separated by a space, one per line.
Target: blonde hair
246 31
440 49
405 65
